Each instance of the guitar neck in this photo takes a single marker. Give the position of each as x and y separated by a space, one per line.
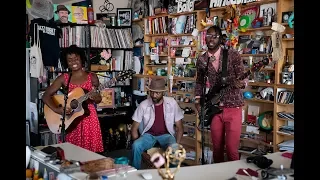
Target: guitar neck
229 87
87 95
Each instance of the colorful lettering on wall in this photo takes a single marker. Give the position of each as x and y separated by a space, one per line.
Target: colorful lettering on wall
185 5
222 3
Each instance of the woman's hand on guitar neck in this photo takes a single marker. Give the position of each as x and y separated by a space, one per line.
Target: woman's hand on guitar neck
60 110
95 96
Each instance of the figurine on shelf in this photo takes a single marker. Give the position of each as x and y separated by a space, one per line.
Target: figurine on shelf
135 15
105 56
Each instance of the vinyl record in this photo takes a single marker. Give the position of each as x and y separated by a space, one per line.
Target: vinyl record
244 22
265 120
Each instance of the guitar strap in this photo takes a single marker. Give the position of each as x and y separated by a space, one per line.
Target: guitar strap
224 72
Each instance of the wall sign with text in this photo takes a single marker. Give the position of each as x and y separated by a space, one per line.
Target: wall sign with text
222 3
185 5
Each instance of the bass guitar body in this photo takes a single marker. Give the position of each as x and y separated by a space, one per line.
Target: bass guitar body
210 112
54 120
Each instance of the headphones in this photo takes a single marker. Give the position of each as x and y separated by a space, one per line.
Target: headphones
261 161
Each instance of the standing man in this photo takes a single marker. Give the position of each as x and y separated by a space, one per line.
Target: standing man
158 114
226 126
63 14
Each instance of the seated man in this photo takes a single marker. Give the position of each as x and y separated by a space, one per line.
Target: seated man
158 115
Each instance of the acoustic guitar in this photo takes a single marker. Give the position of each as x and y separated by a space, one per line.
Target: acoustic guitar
76 101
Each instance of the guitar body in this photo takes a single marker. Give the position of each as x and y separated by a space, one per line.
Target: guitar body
54 120
209 113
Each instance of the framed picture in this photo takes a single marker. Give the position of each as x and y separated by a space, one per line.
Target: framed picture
104 16
107 98
79 15
285 16
124 16
62 13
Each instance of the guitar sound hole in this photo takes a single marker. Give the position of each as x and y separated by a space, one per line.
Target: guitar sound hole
74 104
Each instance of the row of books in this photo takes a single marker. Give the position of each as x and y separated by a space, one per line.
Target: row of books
285 97
111 38
74 35
174 25
100 37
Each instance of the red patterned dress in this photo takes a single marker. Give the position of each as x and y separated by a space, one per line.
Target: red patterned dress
85 131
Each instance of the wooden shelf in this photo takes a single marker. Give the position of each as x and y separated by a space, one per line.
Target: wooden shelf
283 119
282 104
255 55
257 29
182 13
260 100
158 15
182 46
284 134
256 141
287 39
184 78
285 86
260 84
178 35
137 20
161 34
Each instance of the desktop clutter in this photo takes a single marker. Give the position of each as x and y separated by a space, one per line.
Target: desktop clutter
96 169
267 172
101 168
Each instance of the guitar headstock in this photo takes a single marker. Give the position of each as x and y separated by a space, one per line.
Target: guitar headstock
126 74
121 76
259 65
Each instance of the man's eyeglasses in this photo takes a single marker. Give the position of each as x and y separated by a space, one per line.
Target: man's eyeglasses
212 36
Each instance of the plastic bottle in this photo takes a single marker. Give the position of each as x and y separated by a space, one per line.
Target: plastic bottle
90 15
45 174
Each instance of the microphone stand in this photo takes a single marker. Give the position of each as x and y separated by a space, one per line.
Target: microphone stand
63 130
202 104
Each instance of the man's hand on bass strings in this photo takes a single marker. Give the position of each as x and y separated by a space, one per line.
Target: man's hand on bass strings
197 105
239 84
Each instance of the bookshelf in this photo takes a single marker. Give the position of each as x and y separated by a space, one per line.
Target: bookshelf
93 38
192 142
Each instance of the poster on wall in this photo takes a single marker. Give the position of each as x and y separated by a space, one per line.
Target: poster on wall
62 13
33 117
79 14
107 98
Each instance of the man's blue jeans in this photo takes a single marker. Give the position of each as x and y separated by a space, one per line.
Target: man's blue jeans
147 141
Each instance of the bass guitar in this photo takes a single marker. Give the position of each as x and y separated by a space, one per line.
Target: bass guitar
76 101
215 93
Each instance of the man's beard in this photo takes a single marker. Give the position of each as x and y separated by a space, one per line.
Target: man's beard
64 19
156 101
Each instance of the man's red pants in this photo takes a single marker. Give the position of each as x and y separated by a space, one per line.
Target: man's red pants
225 131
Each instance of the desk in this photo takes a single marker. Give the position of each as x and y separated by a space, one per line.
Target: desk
72 152
220 171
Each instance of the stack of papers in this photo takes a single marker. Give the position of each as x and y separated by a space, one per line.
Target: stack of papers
287 146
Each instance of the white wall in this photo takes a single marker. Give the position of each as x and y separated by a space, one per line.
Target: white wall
98 3
116 4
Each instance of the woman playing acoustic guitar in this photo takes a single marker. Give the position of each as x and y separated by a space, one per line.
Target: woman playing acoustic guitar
85 130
